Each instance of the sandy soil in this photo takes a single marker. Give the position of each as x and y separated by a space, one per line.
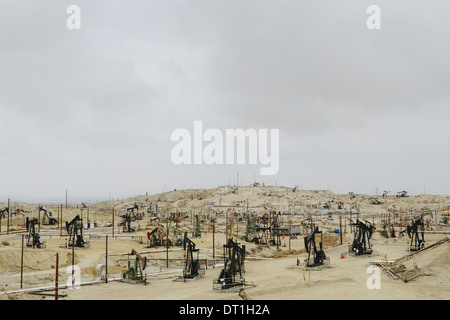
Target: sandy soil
271 273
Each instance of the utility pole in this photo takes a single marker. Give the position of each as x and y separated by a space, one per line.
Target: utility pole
167 242
56 276
214 251
9 212
106 262
60 225
113 222
290 229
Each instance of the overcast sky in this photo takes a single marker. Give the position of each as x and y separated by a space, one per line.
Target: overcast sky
92 110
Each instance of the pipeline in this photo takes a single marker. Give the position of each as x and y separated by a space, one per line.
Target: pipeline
101 276
62 286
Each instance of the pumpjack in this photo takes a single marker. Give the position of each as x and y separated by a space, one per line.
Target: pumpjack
132 208
275 232
47 219
402 194
135 216
319 256
126 222
136 266
75 230
417 241
2 212
176 239
155 238
33 239
362 236
257 232
232 273
192 265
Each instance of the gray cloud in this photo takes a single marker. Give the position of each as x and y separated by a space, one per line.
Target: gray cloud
93 109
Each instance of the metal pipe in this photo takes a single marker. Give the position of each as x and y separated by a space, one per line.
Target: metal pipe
9 212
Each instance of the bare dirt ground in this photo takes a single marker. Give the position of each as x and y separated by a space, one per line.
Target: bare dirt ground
271 272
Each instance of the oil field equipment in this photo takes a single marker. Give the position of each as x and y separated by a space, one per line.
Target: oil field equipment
47 219
131 210
155 238
136 267
134 215
2 212
250 232
75 230
316 256
402 194
126 222
197 233
362 236
192 264
33 239
418 225
274 231
232 273
257 232
176 239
